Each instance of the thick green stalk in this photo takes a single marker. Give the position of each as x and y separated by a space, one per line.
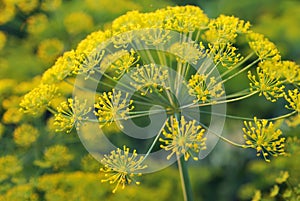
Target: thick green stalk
185 181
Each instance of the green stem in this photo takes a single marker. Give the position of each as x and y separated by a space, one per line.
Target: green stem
185 181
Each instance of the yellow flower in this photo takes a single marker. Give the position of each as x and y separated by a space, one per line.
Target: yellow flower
2 40
78 22
264 137
112 106
184 18
182 137
49 49
91 42
36 24
91 64
12 116
9 166
7 11
205 88
122 62
121 167
187 52
225 29
283 177
274 191
71 113
56 156
266 84
290 71
25 135
257 196
27 5
147 77
21 192
293 98
63 67
37 99
224 53
264 49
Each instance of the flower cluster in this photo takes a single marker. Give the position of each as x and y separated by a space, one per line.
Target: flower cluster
264 137
176 58
121 166
204 88
71 114
38 99
182 137
55 157
112 106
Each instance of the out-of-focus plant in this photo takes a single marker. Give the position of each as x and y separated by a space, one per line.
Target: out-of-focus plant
177 74
277 181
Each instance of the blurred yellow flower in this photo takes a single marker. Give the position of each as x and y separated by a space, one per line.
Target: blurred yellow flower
49 49
12 116
25 135
27 6
36 24
56 157
9 166
21 192
78 22
7 11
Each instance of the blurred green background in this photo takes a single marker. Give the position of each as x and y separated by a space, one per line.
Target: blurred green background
38 164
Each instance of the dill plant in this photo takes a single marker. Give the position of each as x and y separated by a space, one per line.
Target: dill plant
174 66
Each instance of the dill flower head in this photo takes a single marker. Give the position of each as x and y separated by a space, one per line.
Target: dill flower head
112 106
27 6
38 98
25 135
293 98
63 67
264 137
71 114
183 138
263 48
56 157
266 84
7 11
49 49
36 24
121 166
155 74
22 192
10 165
204 88
149 77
